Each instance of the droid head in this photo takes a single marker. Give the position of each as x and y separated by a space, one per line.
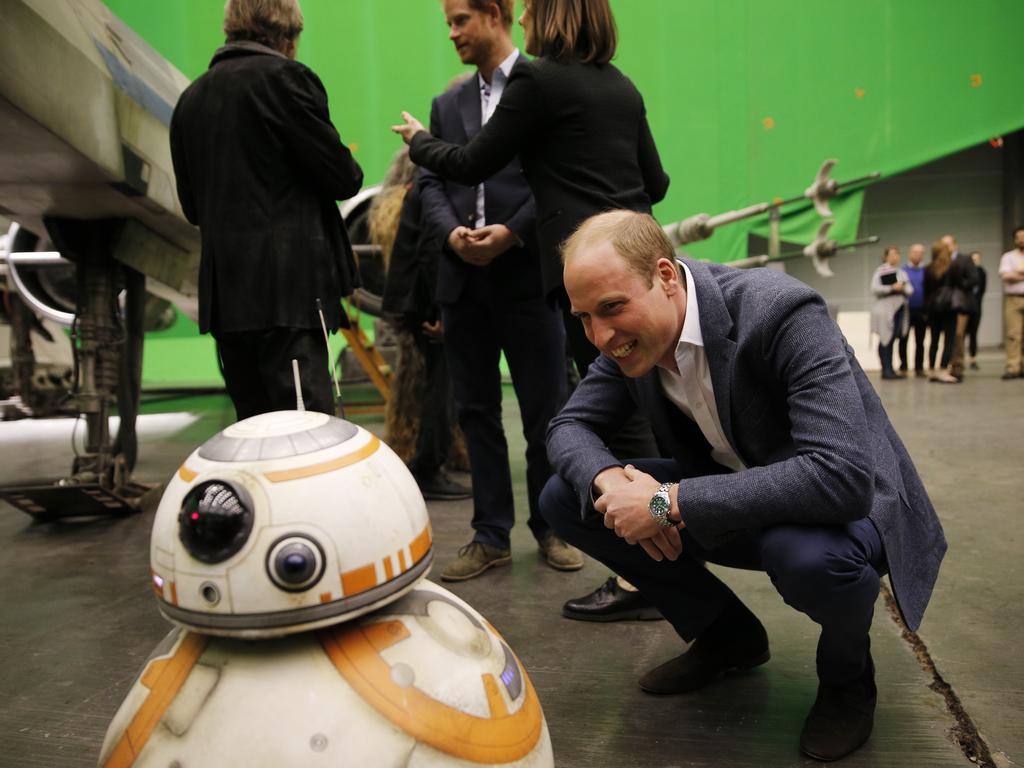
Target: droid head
285 522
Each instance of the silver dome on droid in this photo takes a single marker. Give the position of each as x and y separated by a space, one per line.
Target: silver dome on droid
284 522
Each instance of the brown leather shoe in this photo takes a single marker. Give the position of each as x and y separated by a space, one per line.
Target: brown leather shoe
474 559
560 555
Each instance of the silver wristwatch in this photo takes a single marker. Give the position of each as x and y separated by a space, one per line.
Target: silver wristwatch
661 505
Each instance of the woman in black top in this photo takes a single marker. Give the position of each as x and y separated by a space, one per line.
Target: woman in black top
579 127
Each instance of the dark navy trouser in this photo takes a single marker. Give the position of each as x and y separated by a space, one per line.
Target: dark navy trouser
828 572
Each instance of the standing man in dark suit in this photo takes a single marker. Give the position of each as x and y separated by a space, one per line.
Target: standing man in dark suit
491 297
963 276
259 167
782 460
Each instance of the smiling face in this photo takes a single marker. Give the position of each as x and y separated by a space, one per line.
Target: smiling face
636 325
472 32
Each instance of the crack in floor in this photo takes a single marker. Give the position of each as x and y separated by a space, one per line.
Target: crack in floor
963 732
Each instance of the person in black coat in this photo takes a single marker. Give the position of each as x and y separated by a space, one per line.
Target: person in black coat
259 169
975 321
579 127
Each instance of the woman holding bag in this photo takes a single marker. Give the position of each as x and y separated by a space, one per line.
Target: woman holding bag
890 317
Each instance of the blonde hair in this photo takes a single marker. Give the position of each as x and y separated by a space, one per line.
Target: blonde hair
636 237
273 23
386 206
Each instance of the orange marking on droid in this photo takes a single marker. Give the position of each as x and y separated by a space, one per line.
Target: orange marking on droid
174 593
384 634
164 678
420 545
187 474
401 561
494 700
501 738
358 580
325 597
327 466
389 571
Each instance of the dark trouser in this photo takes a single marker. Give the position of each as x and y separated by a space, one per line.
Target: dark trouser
918 324
885 350
828 572
972 331
434 439
477 329
941 325
258 370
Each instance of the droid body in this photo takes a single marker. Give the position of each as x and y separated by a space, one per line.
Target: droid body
291 550
424 681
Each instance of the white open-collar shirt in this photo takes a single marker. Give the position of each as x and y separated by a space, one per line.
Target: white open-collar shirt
690 389
490 95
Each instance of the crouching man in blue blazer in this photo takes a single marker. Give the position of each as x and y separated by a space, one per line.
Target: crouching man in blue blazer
782 460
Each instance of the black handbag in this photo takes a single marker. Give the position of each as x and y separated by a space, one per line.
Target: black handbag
942 301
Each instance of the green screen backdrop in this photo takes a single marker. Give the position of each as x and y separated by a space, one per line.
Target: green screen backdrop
746 98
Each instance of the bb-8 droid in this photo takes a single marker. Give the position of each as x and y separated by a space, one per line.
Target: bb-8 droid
284 528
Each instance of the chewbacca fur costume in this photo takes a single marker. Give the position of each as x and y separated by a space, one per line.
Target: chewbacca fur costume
402 413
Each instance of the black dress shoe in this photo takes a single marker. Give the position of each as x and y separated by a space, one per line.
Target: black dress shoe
735 641
841 719
440 487
610 602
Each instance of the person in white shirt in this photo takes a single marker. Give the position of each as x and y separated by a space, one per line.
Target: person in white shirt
1011 271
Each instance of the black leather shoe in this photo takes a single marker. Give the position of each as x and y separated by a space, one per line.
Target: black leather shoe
735 641
440 487
610 602
841 719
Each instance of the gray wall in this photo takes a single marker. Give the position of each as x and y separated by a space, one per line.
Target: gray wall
960 194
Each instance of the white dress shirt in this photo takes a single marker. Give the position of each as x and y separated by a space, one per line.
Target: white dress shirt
690 389
490 95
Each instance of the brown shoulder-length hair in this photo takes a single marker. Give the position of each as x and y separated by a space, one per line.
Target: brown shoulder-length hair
941 259
273 23
572 29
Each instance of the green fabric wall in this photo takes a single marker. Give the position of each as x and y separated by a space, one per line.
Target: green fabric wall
745 97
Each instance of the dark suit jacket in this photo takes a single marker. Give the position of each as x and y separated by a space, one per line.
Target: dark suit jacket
259 167
412 270
455 117
581 133
796 407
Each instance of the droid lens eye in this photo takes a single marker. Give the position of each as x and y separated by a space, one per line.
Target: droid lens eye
295 563
215 521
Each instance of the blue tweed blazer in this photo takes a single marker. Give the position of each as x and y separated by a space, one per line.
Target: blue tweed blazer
798 410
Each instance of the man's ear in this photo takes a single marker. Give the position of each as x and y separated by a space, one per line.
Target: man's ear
668 274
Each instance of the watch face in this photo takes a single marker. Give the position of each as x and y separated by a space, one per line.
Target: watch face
660 506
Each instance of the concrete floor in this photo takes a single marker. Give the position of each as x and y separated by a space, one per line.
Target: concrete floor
78 619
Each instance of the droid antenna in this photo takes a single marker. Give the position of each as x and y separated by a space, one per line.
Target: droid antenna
299 404
334 375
